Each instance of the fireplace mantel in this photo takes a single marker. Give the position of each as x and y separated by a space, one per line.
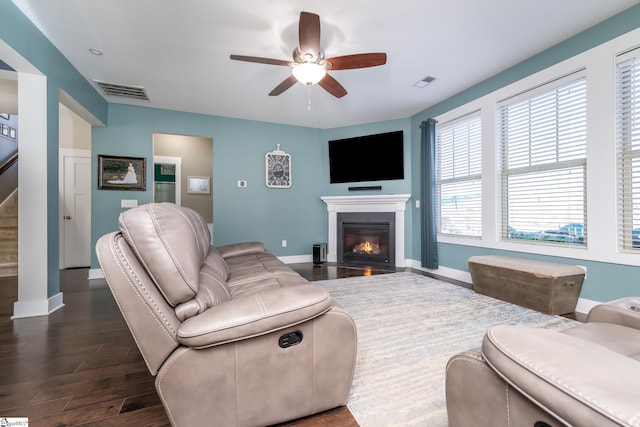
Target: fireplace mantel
374 203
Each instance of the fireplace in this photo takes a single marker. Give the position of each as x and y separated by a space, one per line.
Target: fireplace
395 204
366 237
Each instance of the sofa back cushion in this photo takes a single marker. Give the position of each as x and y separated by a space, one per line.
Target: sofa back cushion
172 243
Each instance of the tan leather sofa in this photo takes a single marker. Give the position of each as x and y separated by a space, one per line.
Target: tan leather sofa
587 375
233 335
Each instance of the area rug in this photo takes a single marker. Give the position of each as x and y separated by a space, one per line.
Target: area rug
409 325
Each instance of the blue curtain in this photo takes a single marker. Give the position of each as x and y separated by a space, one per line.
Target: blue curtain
429 244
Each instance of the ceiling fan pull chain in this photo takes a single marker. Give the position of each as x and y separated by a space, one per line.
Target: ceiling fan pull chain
309 96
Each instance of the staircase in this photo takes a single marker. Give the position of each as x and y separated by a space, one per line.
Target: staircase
9 237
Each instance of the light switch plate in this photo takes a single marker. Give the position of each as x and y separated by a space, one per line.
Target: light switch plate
128 203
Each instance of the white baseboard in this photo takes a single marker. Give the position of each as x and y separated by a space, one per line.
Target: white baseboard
95 273
296 259
582 307
22 309
449 273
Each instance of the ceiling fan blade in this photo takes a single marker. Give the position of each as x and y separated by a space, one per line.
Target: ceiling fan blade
286 84
309 35
332 86
259 60
360 60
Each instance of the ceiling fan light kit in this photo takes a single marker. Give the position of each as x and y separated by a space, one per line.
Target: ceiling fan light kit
309 73
309 66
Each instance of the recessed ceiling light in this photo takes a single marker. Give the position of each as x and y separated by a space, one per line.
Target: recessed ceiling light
424 82
95 51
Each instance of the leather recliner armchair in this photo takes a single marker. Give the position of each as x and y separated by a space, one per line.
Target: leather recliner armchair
233 335
586 375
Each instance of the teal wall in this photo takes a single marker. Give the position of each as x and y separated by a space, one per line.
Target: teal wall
23 37
605 281
256 212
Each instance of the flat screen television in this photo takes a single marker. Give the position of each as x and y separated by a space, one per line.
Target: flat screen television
378 157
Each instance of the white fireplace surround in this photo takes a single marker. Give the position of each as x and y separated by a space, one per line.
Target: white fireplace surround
375 203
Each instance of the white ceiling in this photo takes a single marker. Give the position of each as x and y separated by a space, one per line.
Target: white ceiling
179 50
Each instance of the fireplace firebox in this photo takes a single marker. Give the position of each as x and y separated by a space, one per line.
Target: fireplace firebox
366 237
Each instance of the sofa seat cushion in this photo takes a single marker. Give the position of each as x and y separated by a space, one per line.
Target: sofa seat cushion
620 339
266 260
581 383
269 281
248 268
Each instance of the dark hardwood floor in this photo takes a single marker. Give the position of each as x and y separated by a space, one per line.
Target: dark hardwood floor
80 366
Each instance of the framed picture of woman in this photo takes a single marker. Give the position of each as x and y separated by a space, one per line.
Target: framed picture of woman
121 173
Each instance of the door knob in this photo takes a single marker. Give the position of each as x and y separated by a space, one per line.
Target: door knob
67 217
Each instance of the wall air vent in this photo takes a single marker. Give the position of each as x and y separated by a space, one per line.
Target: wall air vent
117 89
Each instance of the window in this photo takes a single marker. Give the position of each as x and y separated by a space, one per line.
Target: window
458 177
628 149
543 174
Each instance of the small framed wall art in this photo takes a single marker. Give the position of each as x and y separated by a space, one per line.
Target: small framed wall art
278 168
198 185
121 173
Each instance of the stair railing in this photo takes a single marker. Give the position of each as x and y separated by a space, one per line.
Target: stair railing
6 165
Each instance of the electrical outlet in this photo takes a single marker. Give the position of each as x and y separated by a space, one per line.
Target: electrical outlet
242 183
417 203
284 243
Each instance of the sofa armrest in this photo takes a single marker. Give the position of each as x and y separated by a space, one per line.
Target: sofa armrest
575 380
623 311
254 315
243 248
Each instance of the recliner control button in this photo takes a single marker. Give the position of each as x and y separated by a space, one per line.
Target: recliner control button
290 339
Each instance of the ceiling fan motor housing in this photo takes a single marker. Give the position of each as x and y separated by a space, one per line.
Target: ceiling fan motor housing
308 57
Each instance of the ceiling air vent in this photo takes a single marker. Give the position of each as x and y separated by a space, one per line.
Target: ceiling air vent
128 91
424 82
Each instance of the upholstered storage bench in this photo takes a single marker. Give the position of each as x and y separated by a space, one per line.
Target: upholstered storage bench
548 287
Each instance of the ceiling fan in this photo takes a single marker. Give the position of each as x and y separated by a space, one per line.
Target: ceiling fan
309 66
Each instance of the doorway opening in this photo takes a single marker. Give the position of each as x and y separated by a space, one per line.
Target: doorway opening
167 171
192 158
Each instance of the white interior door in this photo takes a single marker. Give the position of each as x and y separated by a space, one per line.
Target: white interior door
77 212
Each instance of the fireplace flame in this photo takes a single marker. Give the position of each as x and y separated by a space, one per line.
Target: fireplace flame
368 248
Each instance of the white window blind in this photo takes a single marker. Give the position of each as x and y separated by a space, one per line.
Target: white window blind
628 149
543 146
458 177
